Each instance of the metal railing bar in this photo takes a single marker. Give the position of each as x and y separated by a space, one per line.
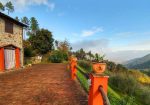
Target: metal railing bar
104 96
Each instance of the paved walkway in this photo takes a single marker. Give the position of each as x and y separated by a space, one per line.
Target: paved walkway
42 84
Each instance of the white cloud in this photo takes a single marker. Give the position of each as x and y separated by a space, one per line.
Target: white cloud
122 56
140 45
21 5
92 31
96 46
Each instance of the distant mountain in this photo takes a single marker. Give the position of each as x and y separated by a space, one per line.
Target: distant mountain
139 63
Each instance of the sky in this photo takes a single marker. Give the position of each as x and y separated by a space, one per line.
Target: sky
120 29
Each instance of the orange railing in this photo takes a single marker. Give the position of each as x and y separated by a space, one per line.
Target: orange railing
99 82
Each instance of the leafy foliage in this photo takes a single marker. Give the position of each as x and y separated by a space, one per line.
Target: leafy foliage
9 7
80 54
98 57
58 56
25 20
34 26
2 8
42 42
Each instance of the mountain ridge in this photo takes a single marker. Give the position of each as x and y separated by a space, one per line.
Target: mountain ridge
138 63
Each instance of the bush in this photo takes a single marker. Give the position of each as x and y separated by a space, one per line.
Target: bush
86 65
56 57
144 95
123 83
28 52
65 56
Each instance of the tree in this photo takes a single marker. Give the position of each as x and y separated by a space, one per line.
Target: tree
9 7
17 18
34 26
80 54
91 56
64 46
25 20
2 8
42 41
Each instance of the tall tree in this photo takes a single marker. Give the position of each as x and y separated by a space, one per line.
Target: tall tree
25 20
34 26
81 54
9 7
17 18
91 56
2 8
64 46
42 41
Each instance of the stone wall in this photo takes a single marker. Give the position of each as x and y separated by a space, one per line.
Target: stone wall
15 38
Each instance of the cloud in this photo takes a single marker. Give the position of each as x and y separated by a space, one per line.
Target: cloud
139 45
96 46
122 56
92 31
21 5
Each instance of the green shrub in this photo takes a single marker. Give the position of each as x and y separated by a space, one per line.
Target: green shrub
86 65
128 101
144 95
28 52
56 57
65 56
124 83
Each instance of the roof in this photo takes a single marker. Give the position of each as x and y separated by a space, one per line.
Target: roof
12 19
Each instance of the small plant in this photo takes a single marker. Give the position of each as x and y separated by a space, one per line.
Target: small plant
99 58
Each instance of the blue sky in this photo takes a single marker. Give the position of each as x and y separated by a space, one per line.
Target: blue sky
118 28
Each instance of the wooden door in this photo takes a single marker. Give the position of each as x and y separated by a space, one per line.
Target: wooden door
9 58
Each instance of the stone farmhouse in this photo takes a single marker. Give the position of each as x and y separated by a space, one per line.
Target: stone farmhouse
11 43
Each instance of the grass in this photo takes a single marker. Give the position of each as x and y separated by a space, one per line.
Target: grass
83 81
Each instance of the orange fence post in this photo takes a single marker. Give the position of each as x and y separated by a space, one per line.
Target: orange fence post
73 68
17 52
2 63
97 80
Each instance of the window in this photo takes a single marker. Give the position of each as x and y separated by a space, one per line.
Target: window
8 27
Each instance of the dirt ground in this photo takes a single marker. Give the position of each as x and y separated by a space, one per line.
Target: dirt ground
42 84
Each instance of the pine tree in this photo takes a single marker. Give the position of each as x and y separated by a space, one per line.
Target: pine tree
9 7
2 8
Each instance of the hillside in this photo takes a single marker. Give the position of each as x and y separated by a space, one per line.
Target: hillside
139 63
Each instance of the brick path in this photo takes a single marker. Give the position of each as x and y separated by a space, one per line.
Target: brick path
42 84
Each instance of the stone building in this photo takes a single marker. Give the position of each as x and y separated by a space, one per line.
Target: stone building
11 43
